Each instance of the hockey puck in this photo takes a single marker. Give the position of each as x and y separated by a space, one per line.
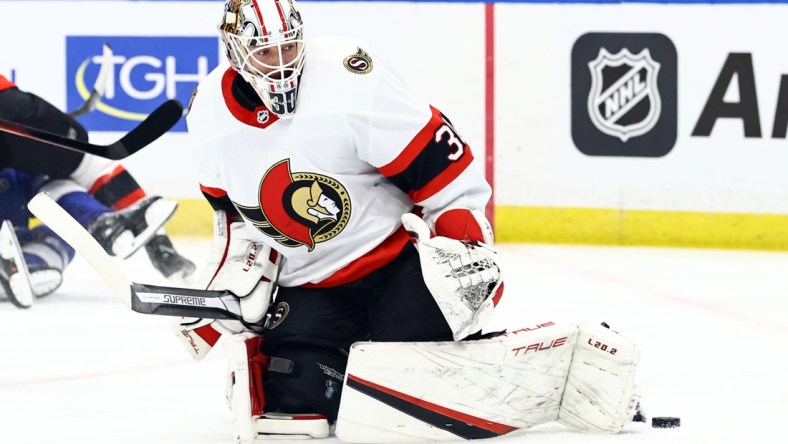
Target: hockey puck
665 422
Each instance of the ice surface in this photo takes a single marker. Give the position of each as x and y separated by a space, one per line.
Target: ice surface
712 325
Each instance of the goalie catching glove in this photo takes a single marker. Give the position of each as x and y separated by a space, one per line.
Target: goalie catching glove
241 264
459 266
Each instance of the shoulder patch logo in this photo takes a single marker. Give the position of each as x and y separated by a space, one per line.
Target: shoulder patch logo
358 63
299 208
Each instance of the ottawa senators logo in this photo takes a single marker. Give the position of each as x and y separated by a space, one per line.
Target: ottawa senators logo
358 63
298 208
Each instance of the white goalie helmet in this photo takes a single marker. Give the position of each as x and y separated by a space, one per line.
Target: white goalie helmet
265 44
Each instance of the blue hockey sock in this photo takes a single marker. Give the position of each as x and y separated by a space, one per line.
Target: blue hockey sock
82 206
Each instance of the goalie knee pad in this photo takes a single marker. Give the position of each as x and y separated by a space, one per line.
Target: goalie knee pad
248 367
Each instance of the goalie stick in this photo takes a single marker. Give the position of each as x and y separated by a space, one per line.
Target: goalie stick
99 85
142 298
154 126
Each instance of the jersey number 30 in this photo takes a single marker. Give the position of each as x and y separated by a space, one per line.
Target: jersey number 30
453 141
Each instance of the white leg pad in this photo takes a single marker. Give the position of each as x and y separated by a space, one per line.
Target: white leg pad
601 395
438 391
250 422
238 394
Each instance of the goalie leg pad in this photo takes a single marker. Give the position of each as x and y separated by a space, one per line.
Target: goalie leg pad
601 395
247 369
438 391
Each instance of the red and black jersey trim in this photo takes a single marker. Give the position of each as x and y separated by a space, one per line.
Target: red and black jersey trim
117 190
431 160
6 84
243 102
461 424
379 257
218 199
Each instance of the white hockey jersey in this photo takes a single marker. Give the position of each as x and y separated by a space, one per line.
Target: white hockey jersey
327 187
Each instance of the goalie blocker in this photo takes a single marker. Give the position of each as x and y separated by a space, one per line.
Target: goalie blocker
582 377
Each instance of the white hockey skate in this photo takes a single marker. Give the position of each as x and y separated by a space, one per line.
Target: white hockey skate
14 276
118 231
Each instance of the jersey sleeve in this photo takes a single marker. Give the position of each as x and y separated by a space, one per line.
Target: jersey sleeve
203 138
211 186
418 149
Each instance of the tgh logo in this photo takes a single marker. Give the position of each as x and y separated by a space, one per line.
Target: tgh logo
624 101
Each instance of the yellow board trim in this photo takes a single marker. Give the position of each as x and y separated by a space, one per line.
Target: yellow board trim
641 227
194 218
586 226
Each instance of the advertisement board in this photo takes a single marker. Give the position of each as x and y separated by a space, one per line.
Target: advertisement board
591 117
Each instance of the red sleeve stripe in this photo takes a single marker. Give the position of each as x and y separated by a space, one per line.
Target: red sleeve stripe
409 154
213 192
129 199
444 178
101 181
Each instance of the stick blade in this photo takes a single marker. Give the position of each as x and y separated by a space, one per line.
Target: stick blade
56 218
161 120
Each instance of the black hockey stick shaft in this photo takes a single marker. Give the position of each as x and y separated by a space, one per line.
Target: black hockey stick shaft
173 301
161 120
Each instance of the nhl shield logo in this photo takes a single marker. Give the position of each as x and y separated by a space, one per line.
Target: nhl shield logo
624 101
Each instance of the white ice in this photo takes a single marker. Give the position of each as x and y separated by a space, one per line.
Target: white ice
80 368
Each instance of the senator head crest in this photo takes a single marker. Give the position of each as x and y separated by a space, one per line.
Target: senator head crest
298 208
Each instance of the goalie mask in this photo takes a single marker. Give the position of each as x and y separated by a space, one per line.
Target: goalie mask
264 43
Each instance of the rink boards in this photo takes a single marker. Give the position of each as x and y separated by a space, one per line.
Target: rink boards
605 123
